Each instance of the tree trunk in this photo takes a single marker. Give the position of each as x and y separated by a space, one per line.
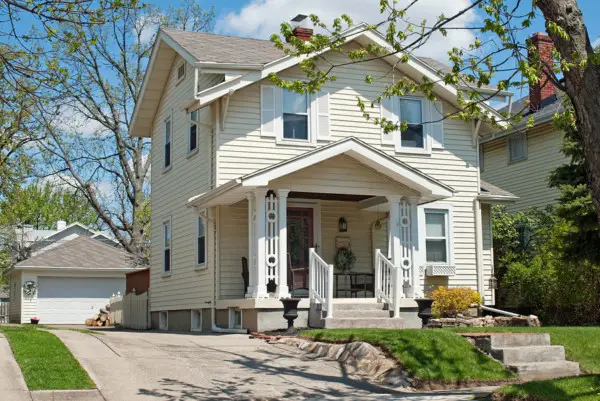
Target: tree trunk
581 83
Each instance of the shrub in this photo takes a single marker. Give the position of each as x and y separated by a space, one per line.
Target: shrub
448 302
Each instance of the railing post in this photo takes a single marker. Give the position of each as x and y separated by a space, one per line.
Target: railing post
311 275
377 273
330 291
396 290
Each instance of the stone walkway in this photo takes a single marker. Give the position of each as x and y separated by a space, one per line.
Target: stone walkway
169 366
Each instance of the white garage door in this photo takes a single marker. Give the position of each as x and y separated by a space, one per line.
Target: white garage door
64 300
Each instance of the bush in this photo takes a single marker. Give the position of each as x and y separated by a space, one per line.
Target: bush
451 301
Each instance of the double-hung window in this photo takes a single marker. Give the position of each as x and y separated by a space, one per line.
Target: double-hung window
167 257
436 236
168 140
201 243
193 135
517 147
295 115
411 111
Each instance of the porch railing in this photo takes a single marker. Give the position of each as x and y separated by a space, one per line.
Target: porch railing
388 285
320 287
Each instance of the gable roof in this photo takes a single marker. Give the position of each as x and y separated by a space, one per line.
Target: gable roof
235 190
82 252
493 194
254 60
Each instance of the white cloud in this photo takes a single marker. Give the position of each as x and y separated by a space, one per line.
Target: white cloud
596 42
147 26
71 120
261 18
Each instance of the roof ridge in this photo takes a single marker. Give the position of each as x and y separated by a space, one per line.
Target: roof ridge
215 34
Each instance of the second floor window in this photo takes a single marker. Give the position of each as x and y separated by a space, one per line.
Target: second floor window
517 147
193 138
167 247
201 243
436 236
411 111
295 115
168 138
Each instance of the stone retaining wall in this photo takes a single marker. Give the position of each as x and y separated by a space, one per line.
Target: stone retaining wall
486 321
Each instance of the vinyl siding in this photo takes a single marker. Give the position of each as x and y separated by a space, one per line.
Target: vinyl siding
190 175
488 253
28 303
527 179
242 150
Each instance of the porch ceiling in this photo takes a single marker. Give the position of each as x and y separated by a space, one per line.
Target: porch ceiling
348 167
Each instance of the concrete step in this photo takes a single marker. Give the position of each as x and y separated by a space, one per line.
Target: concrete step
363 322
360 313
517 355
519 340
545 370
358 306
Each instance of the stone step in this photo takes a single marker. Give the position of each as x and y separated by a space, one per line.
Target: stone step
519 340
358 306
518 355
545 370
360 313
364 323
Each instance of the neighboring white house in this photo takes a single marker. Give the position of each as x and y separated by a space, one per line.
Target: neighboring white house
243 170
70 275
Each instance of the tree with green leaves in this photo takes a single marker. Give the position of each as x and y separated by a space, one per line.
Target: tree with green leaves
496 54
99 77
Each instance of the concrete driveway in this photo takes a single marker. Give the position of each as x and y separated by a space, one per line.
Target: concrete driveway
165 366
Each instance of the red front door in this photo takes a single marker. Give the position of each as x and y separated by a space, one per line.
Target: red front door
299 240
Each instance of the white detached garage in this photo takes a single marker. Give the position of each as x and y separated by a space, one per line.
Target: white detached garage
70 281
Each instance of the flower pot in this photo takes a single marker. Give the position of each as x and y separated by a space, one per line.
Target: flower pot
34 321
424 311
290 311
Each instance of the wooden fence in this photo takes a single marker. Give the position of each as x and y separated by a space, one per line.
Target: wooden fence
131 311
4 312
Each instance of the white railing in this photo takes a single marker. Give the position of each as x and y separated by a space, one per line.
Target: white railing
388 285
4 312
320 287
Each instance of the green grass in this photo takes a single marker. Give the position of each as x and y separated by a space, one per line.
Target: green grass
582 388
582 344
45 361
428 355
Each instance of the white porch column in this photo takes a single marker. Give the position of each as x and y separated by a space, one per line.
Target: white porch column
396 255
251 247
282 287
260 234
417 287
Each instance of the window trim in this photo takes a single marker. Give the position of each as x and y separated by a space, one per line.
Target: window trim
426 149
204 264
179 79
167 222
310 135
196 319
169 120
191 152
525 153
436 207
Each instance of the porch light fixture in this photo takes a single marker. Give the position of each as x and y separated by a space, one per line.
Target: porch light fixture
493 283
343 225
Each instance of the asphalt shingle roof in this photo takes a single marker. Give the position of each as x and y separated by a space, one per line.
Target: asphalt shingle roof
492 190
82 252
209 47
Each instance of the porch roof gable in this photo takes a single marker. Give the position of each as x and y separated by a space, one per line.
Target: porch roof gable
235 190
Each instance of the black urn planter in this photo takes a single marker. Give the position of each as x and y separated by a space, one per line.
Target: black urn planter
424 312
290 311
34 321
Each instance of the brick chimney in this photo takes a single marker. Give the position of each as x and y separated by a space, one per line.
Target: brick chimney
545 88
301 31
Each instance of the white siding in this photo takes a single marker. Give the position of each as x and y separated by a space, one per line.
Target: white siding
190 175
233 245
242 150
28 302
528 179
488 253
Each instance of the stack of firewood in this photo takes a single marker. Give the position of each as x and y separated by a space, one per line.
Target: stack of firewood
102 319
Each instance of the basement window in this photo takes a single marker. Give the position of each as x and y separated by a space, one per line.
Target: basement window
163 320
235 318
196 323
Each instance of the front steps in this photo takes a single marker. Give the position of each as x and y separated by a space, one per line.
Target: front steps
371 315
530 355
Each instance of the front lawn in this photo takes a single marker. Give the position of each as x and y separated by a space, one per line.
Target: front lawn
45 361
582 344
581 388
428 355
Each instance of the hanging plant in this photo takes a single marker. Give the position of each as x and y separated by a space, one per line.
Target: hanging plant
29 288
344 260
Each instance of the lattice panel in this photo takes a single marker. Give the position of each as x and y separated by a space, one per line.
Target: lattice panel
272 237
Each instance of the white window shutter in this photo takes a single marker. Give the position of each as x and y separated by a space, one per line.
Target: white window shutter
270 110
323 115
436 127
389 112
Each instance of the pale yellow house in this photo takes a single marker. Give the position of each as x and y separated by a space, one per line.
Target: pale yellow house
520 160
247 174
